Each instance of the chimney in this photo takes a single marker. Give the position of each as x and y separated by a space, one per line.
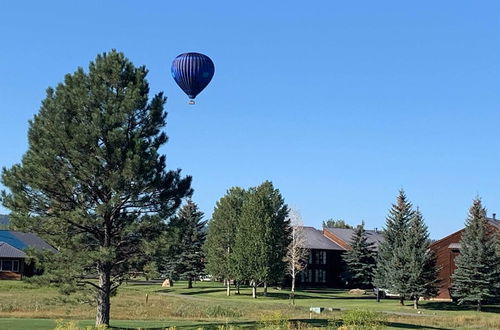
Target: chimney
494 216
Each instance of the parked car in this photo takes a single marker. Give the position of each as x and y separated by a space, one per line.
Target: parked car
206 278
385 293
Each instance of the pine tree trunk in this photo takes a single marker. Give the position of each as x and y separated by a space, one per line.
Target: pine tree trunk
265 288
103 303
228 288
190 282
415 303
402 301
479 305
237 287
254 289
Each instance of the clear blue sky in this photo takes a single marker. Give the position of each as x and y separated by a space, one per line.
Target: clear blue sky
340 104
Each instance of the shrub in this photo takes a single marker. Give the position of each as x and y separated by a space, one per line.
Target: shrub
362 318
219 311
275 320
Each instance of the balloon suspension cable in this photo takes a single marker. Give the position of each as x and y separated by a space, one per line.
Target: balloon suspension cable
191 102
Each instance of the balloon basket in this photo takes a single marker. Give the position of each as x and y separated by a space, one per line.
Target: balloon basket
191 102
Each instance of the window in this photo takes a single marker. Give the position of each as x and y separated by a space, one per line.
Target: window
321 276
8 265
320 257
306 276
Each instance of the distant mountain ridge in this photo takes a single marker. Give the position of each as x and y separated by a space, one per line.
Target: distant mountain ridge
4 219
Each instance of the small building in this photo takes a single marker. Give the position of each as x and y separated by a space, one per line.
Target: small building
325 265
13 259
446 250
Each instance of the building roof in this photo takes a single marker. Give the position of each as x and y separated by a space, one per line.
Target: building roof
372 236
494 222
21 240
8 251
316 240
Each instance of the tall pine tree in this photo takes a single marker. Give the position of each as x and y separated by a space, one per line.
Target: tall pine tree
219 246
360 260
92 181
477 273
392 265
422 280
189 232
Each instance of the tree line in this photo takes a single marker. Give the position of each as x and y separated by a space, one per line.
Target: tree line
404 263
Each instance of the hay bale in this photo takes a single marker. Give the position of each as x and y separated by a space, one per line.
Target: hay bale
358 292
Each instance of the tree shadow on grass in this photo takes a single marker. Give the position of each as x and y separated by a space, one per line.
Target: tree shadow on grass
450 306
286 296
214 325
193 291
411 326
317 323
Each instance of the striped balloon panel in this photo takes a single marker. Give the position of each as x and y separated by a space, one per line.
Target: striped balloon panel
192 72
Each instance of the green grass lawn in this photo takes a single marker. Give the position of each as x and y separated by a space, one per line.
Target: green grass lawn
23 306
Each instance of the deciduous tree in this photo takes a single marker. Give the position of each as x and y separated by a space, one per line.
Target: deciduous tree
262 237
219 246
296 253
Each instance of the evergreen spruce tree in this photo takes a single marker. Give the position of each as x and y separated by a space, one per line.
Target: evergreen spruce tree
392 263
189 234
92 181
221 234
476 276
262 237
422 280
360 260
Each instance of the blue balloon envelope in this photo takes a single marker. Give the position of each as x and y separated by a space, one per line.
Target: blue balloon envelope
192 72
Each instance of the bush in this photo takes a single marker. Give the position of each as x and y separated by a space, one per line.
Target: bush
362 318
73 325
275 320
219 311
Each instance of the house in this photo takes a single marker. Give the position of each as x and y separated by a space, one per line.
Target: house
446 250
13 259
325 265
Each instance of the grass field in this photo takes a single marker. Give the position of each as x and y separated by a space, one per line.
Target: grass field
23 306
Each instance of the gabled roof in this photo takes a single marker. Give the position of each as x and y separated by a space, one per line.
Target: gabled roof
345 234
316 240
494 222
8 251
21 240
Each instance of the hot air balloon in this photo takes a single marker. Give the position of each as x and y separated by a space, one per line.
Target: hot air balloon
192 72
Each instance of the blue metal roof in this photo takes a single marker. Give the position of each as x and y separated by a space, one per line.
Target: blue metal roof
21 240
8 237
